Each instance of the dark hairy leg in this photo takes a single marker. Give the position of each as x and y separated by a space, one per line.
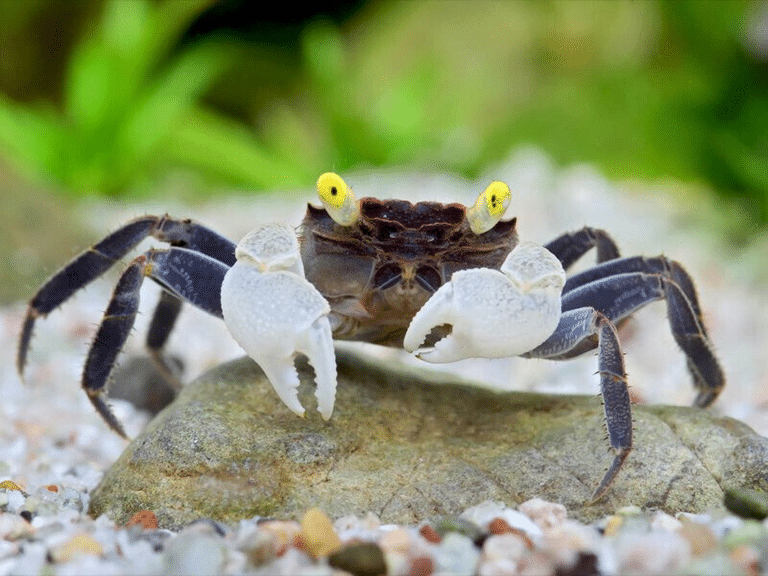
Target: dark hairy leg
620 287
188 275
595 300
96 260
575 326
571 246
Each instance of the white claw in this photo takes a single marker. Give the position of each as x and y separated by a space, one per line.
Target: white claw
273 312
319 351
493 313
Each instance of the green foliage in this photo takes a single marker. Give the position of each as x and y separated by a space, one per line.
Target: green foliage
131 103
652 90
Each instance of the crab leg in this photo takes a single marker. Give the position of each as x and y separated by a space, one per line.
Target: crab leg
658 265
573 245
93 262
164 319
593 307
619 287
188 275
574 327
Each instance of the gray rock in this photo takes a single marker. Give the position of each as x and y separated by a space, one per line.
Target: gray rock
143 384
409 447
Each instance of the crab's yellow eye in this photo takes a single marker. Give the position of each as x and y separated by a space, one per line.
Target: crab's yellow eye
338 199
489 207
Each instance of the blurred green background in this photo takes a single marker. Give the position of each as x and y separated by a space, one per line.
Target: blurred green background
117 97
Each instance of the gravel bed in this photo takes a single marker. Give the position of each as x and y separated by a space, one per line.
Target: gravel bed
54 448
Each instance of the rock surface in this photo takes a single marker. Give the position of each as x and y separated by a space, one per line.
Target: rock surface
408 447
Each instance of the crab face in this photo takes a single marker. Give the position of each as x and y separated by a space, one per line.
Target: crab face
378 271
444 281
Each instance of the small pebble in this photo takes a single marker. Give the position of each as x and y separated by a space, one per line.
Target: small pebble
9 485
699 536
39 507
507 547
457 525
79 545
487 511
536 564
456 554
747 503
652 553
500 526
663 521
397 545
430 534
144 518
748 559
422 566
544 514
260 547
612 525
317 534
15 499
584 565
283 532
566 542
194 555
750 532
294 561
13 527
359 559
398 540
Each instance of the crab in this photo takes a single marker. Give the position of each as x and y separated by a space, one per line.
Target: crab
444 281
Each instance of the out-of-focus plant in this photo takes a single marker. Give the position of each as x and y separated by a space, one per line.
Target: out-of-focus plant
131 104
652 90
647 90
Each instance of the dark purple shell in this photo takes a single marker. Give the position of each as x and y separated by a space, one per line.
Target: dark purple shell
377 273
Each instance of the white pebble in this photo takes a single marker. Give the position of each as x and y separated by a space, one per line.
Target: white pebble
15 500
456 554
652 553
503 547
663 521
483 513
194 555
544 514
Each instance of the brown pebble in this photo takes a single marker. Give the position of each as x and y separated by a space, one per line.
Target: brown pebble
360 559
500 526
422 566
52 488
145 518
430 534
